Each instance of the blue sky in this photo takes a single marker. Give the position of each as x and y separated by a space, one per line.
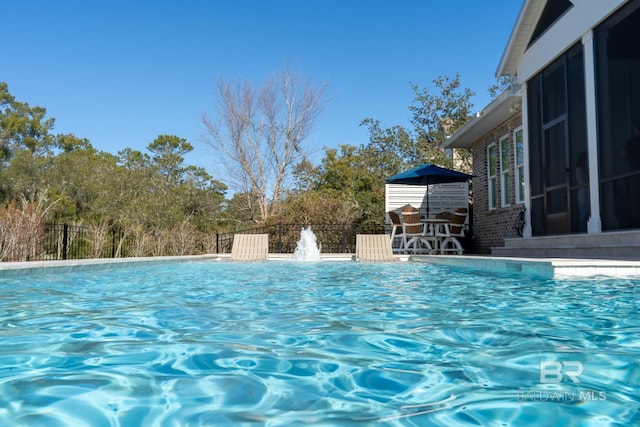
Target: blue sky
121 72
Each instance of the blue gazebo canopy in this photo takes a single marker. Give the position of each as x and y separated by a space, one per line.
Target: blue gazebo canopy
428 174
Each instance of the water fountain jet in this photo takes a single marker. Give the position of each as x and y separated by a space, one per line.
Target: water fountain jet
307 248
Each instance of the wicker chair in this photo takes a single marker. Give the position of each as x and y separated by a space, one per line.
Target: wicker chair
414 232
397 237
449 233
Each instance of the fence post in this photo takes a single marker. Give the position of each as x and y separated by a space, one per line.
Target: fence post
279 237
65 238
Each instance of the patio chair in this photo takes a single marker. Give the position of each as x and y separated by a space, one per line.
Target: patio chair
250 247
414 234
449 233
409 208
445 215
397 238
374 247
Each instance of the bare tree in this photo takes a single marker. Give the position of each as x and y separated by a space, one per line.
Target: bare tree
259 132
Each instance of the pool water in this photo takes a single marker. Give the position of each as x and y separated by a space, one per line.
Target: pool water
329 343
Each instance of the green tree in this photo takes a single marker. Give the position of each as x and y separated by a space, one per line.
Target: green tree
503 83
69 142
317 207
154 196
242 209
303 175
356 175
24 139
77 177
395 147
437 115
160 191
22 128
167 152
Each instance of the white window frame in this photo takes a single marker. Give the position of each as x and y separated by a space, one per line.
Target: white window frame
505 171
519 165
492 179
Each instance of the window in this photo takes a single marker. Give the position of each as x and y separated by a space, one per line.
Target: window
492 169
518 148
505 171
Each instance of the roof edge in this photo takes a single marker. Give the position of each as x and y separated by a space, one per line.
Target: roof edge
505 106
522 24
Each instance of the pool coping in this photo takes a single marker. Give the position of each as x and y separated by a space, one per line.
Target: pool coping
553 268
11 269
541 267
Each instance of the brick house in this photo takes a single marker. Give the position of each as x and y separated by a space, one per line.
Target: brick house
561 142
495 139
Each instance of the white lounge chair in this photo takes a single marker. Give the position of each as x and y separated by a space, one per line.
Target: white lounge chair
374 247
250 247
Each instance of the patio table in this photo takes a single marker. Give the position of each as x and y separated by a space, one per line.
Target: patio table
437 230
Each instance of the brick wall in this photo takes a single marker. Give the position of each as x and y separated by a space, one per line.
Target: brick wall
491 227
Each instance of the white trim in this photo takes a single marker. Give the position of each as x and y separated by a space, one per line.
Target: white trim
518 168
492 201
499 110
567 31
594 224
527 172
506 183
519 59
519 38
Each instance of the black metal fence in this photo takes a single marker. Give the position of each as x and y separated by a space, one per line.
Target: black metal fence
64 241
283 238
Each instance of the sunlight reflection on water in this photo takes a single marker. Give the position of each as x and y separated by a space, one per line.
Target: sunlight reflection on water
339 343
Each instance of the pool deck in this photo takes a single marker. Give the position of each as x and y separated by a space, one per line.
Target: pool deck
558 268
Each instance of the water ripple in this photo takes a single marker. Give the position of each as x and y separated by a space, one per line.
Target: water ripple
321 344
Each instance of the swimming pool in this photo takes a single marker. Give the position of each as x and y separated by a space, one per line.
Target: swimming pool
328 343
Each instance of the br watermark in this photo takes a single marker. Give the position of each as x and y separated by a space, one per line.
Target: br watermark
554 372
559 372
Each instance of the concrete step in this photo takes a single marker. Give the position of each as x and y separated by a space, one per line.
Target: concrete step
612 245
